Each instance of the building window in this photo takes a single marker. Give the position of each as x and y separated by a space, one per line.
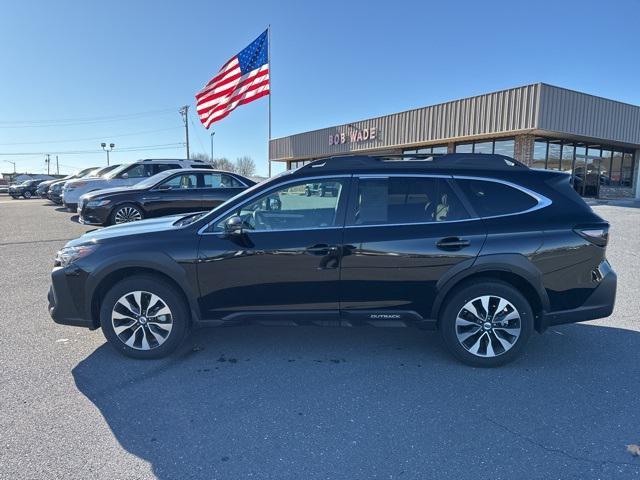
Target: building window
627 170
483 147
440 149
616 168
504 147
568 153
553 156
464 148
540 153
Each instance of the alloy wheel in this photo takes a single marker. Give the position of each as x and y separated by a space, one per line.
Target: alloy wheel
27 194
488 326
141 320
127 214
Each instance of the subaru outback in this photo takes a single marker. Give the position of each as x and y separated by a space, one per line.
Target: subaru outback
481 248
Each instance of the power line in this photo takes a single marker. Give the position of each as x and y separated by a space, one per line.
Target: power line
81 121
43 142
86 152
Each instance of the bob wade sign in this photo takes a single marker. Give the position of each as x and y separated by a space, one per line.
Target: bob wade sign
354 136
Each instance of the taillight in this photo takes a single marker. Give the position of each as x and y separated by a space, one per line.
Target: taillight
598 235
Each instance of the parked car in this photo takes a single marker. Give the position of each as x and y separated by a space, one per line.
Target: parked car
485 251
166 193
126 175
55 189
26 189
320 189
43 188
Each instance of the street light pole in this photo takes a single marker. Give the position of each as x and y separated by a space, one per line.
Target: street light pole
104 147
14 165
212 134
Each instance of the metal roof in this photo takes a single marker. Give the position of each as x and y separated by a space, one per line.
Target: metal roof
538 109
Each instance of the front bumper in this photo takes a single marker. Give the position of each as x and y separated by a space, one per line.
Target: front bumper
72 207
63 308
598 305
93 216
55 197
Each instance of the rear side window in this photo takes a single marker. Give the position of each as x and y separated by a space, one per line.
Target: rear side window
403 200
161 167
492 198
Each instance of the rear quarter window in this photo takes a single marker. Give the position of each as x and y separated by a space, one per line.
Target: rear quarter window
494 198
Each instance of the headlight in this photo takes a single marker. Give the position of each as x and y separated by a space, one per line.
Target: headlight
97 203
68 255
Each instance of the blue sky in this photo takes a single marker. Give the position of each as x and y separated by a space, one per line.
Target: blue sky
332 62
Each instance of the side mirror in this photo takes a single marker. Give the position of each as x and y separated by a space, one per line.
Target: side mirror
234 225
125 175
164 187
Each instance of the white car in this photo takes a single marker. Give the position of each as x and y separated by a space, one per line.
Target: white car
125 175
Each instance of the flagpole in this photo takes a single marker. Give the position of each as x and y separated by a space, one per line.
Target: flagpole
270 90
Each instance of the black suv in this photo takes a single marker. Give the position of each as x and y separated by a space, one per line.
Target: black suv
26 189
479 247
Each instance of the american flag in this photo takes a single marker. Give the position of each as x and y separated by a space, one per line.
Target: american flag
243 79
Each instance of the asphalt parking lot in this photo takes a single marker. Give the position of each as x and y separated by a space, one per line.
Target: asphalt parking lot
307 403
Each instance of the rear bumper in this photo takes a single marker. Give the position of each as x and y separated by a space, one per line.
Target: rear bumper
62 308
598 305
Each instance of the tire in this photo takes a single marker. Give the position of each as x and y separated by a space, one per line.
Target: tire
480 343
14 197
130 210
160 340
27 194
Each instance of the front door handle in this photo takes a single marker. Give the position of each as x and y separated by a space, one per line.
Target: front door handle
321 249
452 243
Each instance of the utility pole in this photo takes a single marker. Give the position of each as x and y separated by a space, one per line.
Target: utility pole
184 111
57 166
48 161
212 134
104 147
14 165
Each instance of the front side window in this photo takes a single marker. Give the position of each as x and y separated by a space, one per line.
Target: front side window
180 182
139 170
405 200
293 207
493 198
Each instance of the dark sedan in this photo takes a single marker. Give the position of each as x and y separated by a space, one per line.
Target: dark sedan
43 188
25 189
167 193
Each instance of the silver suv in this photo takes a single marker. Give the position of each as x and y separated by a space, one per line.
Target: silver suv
125 175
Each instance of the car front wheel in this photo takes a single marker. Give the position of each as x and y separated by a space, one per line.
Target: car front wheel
144 317
125 213
486 324
27 194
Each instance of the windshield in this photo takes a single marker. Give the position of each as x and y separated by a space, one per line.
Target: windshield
114 173
151 181
102 172
83 172
90 173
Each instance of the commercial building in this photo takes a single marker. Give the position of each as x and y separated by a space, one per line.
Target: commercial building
594 138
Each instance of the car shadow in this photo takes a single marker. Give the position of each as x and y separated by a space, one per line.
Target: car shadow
62 209
305 402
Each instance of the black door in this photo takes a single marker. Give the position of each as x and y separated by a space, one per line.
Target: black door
283 265
403 234
177 194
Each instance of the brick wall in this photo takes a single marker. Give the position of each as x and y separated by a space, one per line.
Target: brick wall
524 148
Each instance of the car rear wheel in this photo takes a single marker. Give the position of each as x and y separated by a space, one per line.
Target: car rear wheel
27 194
126 213
486 324
144 317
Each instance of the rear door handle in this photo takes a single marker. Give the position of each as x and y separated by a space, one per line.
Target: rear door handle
452 243
321 249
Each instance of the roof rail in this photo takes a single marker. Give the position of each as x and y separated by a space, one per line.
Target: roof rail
435 160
